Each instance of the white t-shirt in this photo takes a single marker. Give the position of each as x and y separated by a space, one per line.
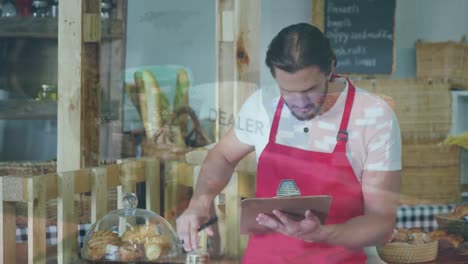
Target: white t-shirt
374 140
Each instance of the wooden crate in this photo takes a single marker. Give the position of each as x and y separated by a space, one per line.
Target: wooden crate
423 107
431 174
443 61
37 190
27 168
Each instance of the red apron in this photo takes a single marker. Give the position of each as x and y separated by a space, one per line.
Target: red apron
315 173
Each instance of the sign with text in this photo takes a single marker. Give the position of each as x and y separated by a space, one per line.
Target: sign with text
361 33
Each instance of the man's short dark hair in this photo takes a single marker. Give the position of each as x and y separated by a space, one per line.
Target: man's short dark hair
299 46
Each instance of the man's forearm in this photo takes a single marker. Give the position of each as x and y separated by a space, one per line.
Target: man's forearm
215 174
359 232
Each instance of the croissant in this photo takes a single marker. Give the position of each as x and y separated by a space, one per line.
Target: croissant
98 243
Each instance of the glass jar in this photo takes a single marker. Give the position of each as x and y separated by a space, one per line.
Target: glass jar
40 8
9 9
54 8
106 8
132 235
47 93
197 257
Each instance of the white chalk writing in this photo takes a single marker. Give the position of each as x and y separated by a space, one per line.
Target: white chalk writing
349 9
339 23
357 50
366 62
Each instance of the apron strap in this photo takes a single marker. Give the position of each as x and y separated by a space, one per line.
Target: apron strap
276 118
342 136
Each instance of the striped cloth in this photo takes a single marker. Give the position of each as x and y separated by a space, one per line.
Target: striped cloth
421 216
51 234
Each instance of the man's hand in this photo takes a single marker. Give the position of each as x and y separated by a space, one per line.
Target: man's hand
309 229
188 224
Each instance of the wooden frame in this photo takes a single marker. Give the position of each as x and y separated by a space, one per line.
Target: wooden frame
36 190
238 76
81 76
318 14
238 60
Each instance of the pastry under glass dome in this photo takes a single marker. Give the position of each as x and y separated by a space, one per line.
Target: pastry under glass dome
132 235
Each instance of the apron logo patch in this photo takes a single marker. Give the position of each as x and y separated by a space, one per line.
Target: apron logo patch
288 187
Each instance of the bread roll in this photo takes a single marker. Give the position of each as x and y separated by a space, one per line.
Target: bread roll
129 251
401 236
415 230
140 233
419 238
153 250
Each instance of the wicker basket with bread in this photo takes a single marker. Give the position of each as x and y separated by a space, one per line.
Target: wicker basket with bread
409 246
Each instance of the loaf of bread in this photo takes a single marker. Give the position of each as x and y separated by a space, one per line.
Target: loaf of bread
463 249
455 240
461 211
446 240
437 234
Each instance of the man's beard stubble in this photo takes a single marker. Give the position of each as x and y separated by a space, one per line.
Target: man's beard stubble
317 109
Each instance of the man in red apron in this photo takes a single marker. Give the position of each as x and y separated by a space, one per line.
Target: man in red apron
365 196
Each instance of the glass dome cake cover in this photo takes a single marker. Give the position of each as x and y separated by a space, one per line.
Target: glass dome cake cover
132 235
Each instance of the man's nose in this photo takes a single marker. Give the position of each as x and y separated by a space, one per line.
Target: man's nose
300 100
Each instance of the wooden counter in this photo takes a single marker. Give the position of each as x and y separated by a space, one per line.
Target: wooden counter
445 257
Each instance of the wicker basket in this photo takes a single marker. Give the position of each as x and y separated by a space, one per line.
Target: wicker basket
446 61
431 174
430 185
169 143
399 252
430 155
423 108
451 225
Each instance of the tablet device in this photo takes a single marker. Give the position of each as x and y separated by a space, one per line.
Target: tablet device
295 207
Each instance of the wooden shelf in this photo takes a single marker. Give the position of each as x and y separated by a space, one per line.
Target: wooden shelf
34 27
47 110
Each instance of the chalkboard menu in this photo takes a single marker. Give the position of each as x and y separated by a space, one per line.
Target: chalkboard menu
361 33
